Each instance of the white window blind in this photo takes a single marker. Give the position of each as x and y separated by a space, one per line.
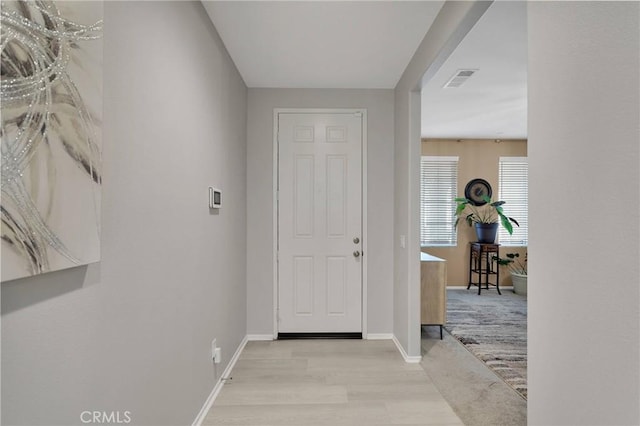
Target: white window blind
514 190
438 188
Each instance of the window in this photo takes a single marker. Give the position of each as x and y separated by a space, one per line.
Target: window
438 188
514 188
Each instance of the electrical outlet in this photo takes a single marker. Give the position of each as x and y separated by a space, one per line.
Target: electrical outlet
217 355
213 349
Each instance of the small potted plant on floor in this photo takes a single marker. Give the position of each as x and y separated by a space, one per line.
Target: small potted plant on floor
486 217
518 269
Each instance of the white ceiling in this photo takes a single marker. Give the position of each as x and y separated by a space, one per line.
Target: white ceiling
368 44
493 102
322 44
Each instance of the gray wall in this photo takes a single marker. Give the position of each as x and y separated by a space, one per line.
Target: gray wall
450 26
584 121
379 105
133 332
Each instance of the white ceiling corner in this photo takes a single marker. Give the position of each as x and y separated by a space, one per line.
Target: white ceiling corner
322 44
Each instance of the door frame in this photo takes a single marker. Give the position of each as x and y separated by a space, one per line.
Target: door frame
276 235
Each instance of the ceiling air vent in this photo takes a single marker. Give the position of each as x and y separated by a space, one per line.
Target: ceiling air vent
459 78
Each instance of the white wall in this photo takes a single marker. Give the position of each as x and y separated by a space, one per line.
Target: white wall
379 105
449 28
133 332
584 185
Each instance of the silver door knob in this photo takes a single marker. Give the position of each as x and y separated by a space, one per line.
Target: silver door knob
356 240
356 253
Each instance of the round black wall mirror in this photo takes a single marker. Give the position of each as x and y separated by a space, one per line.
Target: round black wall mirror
475 191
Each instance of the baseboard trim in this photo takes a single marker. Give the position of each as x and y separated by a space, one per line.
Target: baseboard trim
407 358
380 336
218 386
259 337
464 287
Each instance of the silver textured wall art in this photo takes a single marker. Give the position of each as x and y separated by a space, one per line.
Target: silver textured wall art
51 88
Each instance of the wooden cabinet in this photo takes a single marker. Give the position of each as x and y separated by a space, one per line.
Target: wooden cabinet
433 291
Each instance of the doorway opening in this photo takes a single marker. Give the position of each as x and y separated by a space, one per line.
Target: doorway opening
474 127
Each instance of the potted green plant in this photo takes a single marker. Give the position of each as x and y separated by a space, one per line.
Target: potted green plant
485 217
518 269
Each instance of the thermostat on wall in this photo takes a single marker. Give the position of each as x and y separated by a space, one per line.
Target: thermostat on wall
215 198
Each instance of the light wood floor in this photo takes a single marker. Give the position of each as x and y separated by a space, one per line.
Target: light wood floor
328 382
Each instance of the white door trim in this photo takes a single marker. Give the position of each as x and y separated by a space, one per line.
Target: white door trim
365 251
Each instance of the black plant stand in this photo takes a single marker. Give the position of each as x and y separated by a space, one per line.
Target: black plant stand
482 264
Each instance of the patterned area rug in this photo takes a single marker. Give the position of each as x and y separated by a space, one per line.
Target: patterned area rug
494 328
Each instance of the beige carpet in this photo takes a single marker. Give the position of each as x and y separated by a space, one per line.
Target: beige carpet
476 394
494 328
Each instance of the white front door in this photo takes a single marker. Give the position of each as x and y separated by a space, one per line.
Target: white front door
320 222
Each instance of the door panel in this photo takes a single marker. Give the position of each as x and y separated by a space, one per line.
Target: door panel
319 215
336 196
303 284
336 285
303 202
